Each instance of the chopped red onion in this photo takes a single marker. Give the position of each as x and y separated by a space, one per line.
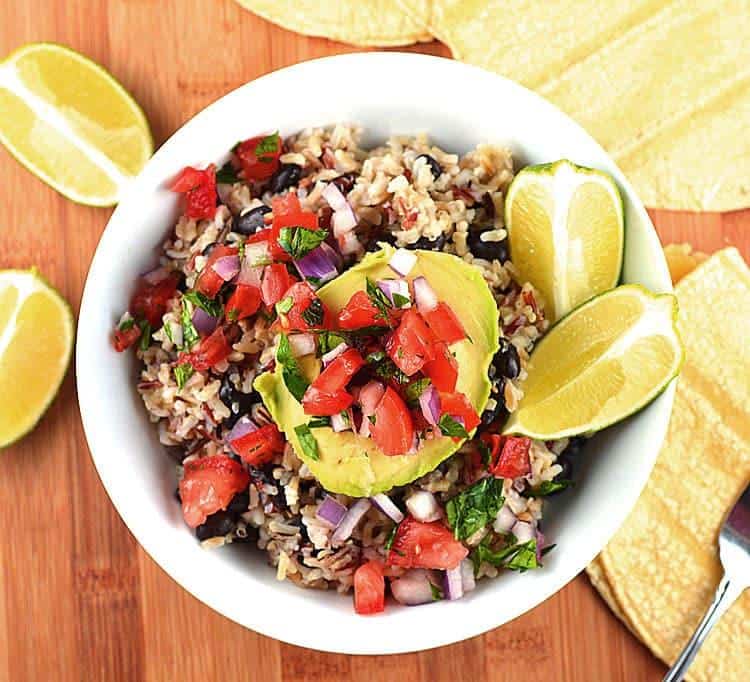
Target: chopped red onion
302 344
226 267
395 286
413 588
539 545
243 426
424 295
369 398
203 322
157 275
453 583
467 575
505 520
332 254
423 506
387 506
331 511
364 427
414 445
402 261
343 221
342 421
429 402
257 253
317 265
349 522
332 194
332 354
250 274
523 531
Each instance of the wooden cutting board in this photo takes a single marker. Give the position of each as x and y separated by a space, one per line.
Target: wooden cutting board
79 600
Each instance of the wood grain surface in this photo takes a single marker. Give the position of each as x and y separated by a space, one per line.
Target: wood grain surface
79 600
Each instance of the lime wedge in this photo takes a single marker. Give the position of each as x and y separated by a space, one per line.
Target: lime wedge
565 227
71 123
599 364
36 339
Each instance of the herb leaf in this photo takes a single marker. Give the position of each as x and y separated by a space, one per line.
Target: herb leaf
307 441
415 389
450 427
227 175
391 537
327 341
182 373
475 507
290 371
314 313
517 557
400 301
387 370
378 298
299 241
437 593
268 145
319 422
189 332
145 340
284 305
129 323
548 488
485 453
213 308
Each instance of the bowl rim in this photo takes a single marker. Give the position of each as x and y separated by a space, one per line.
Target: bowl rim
479 621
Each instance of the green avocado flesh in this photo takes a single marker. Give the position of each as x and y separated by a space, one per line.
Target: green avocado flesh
354 465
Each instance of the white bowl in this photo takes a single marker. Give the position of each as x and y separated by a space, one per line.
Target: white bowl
387 93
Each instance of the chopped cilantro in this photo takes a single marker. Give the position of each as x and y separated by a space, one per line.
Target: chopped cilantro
375 356
475 507
241 250
415 389
314 313
391 537
182 373
548 488
327 341
546 549
227 175
387 370
189 333
378 298
168 331
517 557
295 382
400 301
270 144
319 422
284 305
437 593
213 308
450 427
485 453
145 341
129 323
307 441
299 241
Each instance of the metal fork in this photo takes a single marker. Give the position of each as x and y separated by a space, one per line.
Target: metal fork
734 552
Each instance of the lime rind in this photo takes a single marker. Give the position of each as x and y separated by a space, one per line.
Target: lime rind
33 281
140 118
516 427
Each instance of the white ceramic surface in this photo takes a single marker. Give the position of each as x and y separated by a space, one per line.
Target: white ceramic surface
386 93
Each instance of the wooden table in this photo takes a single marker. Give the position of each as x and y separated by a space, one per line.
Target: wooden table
79 599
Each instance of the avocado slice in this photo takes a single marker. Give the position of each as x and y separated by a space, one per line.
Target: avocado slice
354 465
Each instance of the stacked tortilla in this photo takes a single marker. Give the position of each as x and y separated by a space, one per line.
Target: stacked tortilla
659 572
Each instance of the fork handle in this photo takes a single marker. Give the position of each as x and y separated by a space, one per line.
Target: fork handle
726 593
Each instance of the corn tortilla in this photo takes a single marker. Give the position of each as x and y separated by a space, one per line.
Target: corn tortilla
661 568
677 126
362 22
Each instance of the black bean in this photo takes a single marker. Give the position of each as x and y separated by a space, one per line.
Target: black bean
239 504
486 250
488 205
575 445
175 452
426 244
239 403
345 182
251 221
251 536
567 467
506 360
287 175
498 411
435 168
381 236
216 525
305 538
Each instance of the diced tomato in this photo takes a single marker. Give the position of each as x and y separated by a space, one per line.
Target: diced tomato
391 426
425 545
303 297
211 351
259 447
209 485
337 375
444 323
287 212
244 302
411 345
360 312
150 300
369 588
512 461
199 188
276 282
321 404
458 405
259 156
124 338
209 281
443 369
